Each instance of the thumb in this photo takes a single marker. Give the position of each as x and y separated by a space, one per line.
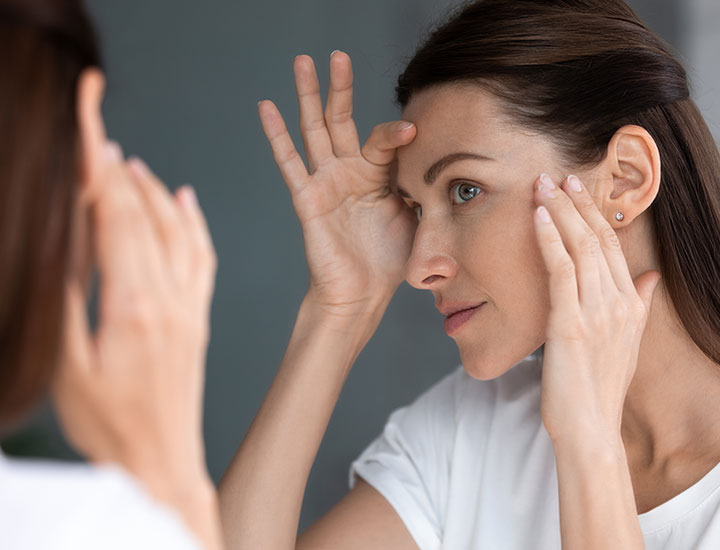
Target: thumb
385 139
645 286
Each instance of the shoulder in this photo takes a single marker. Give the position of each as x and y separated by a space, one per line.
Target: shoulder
48 504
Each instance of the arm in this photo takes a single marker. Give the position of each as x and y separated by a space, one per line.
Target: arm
262 491
357 238
597 503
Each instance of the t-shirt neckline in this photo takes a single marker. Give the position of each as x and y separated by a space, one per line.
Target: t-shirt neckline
682 504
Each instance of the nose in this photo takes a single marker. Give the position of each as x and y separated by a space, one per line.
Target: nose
430 264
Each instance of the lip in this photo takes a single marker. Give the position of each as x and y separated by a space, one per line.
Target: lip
457 315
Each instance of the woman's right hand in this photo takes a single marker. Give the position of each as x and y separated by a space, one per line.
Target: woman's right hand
358 234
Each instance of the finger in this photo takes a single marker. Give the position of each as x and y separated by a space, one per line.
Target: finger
165 218
560 267
128 254
646 285
203 251
286 156
384 140
592 273
339 109
318 147
614 255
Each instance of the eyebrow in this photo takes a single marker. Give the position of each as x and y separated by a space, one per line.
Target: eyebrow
434 171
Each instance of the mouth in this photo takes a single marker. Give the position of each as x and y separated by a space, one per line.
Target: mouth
457 316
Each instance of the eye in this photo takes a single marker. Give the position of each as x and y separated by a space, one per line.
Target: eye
463 192
418 211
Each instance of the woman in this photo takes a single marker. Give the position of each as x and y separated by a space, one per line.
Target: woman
128 395
550 167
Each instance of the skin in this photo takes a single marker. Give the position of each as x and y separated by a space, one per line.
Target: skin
585 285
130 392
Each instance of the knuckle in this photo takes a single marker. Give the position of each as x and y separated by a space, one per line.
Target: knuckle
287 157
609 237
589 245
565 270
137 309
338 117
314 125
619 311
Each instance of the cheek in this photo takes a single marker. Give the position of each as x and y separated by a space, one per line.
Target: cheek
508 266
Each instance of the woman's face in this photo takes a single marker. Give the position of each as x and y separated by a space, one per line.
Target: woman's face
470 174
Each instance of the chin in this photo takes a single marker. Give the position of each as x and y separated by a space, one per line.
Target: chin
487 363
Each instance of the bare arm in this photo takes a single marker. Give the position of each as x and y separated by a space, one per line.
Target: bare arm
361 520
262 491
597 503
357 239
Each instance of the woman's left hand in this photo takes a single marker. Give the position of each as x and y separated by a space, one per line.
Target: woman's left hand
597 315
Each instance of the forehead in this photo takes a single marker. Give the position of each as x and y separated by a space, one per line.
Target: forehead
456 118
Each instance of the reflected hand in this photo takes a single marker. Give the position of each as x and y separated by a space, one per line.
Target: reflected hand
358 234
131 393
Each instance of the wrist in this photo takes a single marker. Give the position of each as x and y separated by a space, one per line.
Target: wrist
168 474
606 445
356 316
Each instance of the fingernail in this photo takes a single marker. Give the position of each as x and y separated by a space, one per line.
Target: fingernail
334 52
138 164
188 196
574 183
547 186
404 126
113 151
543 214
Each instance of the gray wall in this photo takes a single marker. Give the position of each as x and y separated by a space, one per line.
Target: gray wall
184 81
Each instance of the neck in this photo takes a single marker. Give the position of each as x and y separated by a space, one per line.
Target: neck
672 406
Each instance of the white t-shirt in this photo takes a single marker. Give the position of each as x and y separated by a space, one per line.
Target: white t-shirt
470 466
49 505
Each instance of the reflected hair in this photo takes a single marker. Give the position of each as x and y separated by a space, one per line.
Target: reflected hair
577 71
44 47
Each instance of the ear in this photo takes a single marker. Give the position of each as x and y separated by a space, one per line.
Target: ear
633 162
90 92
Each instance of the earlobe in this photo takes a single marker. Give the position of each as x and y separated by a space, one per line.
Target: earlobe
634 160
91 127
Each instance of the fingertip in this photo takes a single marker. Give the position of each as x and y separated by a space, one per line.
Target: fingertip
187 197
303 60
138 167
543 215
113 152
339 56
404 132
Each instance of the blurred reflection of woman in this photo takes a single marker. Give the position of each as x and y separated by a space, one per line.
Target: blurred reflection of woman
128 395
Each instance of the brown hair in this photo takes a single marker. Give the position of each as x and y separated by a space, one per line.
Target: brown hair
577 71
44 46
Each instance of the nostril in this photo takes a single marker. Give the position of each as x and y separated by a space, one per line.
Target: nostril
431 279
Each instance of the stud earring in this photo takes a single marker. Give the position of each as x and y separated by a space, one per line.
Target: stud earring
619 216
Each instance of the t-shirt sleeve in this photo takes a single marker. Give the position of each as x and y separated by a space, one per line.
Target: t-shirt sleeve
409 463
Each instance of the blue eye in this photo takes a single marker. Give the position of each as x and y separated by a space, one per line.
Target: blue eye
463 192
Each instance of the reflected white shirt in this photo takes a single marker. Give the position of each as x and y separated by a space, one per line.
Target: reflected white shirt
52 505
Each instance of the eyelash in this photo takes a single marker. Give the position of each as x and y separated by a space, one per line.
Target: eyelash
453 190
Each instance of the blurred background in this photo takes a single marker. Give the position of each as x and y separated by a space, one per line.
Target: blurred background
184 79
